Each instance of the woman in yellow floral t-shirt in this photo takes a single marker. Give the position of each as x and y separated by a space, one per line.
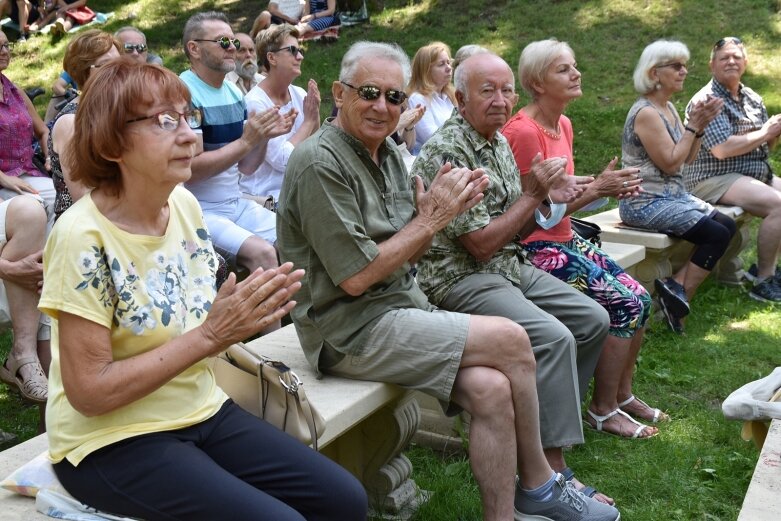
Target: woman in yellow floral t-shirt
137 425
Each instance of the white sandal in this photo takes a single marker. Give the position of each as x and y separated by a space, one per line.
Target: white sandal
659 416
602 419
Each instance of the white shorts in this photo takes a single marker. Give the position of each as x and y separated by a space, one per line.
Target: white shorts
46 194
232 222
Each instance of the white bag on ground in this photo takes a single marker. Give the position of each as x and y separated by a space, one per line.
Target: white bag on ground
753 400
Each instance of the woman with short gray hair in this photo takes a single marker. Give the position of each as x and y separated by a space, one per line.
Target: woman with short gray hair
656 142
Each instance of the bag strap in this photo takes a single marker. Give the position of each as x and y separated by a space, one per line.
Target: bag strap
310 418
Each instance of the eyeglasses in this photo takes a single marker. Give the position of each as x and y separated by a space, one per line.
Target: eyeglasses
371 93
295 51
169 120
7 46
138 47
677 66
729 39
224 42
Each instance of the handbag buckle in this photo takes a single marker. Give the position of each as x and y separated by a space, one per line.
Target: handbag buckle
294 384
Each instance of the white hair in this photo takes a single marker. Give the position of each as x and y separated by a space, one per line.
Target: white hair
461 76
535 60
657 53
467 51
376 50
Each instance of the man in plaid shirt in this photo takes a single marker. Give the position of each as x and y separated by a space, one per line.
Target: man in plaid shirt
732 166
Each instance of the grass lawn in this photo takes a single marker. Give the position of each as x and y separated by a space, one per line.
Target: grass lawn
697 468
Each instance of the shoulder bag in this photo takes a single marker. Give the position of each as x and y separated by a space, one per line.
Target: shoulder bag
587 230
269 390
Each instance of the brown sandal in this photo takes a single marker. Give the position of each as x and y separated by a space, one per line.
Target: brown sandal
35 388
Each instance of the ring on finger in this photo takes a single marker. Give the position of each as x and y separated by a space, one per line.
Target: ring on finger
626 184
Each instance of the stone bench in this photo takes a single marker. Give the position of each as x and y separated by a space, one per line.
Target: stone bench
367 426
665 255
763 498
444 434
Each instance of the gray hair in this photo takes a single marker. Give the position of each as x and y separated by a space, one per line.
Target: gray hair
128 28
535 60
193 29
465 52
461 76
657 53
378 50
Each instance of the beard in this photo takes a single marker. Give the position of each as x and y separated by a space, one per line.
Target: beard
247 70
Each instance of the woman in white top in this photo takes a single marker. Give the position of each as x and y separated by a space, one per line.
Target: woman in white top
431 86
281 57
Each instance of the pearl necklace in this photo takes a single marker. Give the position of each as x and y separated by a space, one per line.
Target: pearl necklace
550 134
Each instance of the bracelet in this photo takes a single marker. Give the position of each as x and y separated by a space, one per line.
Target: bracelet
689 129
409 129
697 135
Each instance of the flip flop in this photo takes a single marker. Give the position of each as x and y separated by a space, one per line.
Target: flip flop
602 419
659 415
569 475
35 388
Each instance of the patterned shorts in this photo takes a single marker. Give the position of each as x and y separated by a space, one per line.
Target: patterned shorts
592 272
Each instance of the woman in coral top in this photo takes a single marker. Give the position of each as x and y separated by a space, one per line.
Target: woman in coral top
549 74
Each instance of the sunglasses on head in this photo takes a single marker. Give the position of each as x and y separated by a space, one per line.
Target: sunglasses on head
371 93
224 42
295 51
677 66
729 39
169 120
138 47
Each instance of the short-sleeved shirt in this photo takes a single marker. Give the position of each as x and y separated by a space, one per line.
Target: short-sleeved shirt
224 113
267 179
448 261
738 117
526 139
290 8
335 207
16 133
439 107
145 290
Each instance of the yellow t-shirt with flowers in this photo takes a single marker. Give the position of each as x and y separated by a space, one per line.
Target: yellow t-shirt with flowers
146 290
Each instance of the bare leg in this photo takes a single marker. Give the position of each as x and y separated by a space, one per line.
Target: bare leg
555 457
616 356
496 385
763 201
25 229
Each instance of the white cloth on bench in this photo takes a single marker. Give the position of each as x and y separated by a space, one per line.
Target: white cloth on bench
752 401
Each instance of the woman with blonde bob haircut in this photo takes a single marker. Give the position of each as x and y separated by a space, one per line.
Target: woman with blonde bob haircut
137 424
431 86
657 142
548 73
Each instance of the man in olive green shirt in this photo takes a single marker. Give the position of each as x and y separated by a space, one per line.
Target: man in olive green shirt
348 217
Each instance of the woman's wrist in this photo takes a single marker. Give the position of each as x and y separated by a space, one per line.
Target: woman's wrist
697 133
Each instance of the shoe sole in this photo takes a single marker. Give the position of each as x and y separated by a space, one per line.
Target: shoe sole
519 516
760 298
674 304
666 313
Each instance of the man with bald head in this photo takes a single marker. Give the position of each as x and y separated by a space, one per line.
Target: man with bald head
350 218
475 264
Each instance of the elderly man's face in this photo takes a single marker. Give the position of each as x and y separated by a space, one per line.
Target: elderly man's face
728 64
131 42
490 95
369 121
246 61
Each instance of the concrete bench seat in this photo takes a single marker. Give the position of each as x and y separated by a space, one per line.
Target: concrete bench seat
664 255
367 426
763 498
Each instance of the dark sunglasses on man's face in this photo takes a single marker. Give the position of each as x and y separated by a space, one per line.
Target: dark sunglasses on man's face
224 42
138 47
729 39
371 93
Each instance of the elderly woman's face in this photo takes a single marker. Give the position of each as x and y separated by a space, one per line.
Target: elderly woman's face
5 51
562 78
105 58
728 64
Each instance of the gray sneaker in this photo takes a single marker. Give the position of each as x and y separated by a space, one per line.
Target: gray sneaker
766 291
567 504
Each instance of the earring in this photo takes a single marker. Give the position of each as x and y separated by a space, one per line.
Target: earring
657 86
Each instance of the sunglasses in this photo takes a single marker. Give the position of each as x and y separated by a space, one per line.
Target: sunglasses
138 47
371 93
677 66
224 42
295 51
7 46
729 39
169 120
